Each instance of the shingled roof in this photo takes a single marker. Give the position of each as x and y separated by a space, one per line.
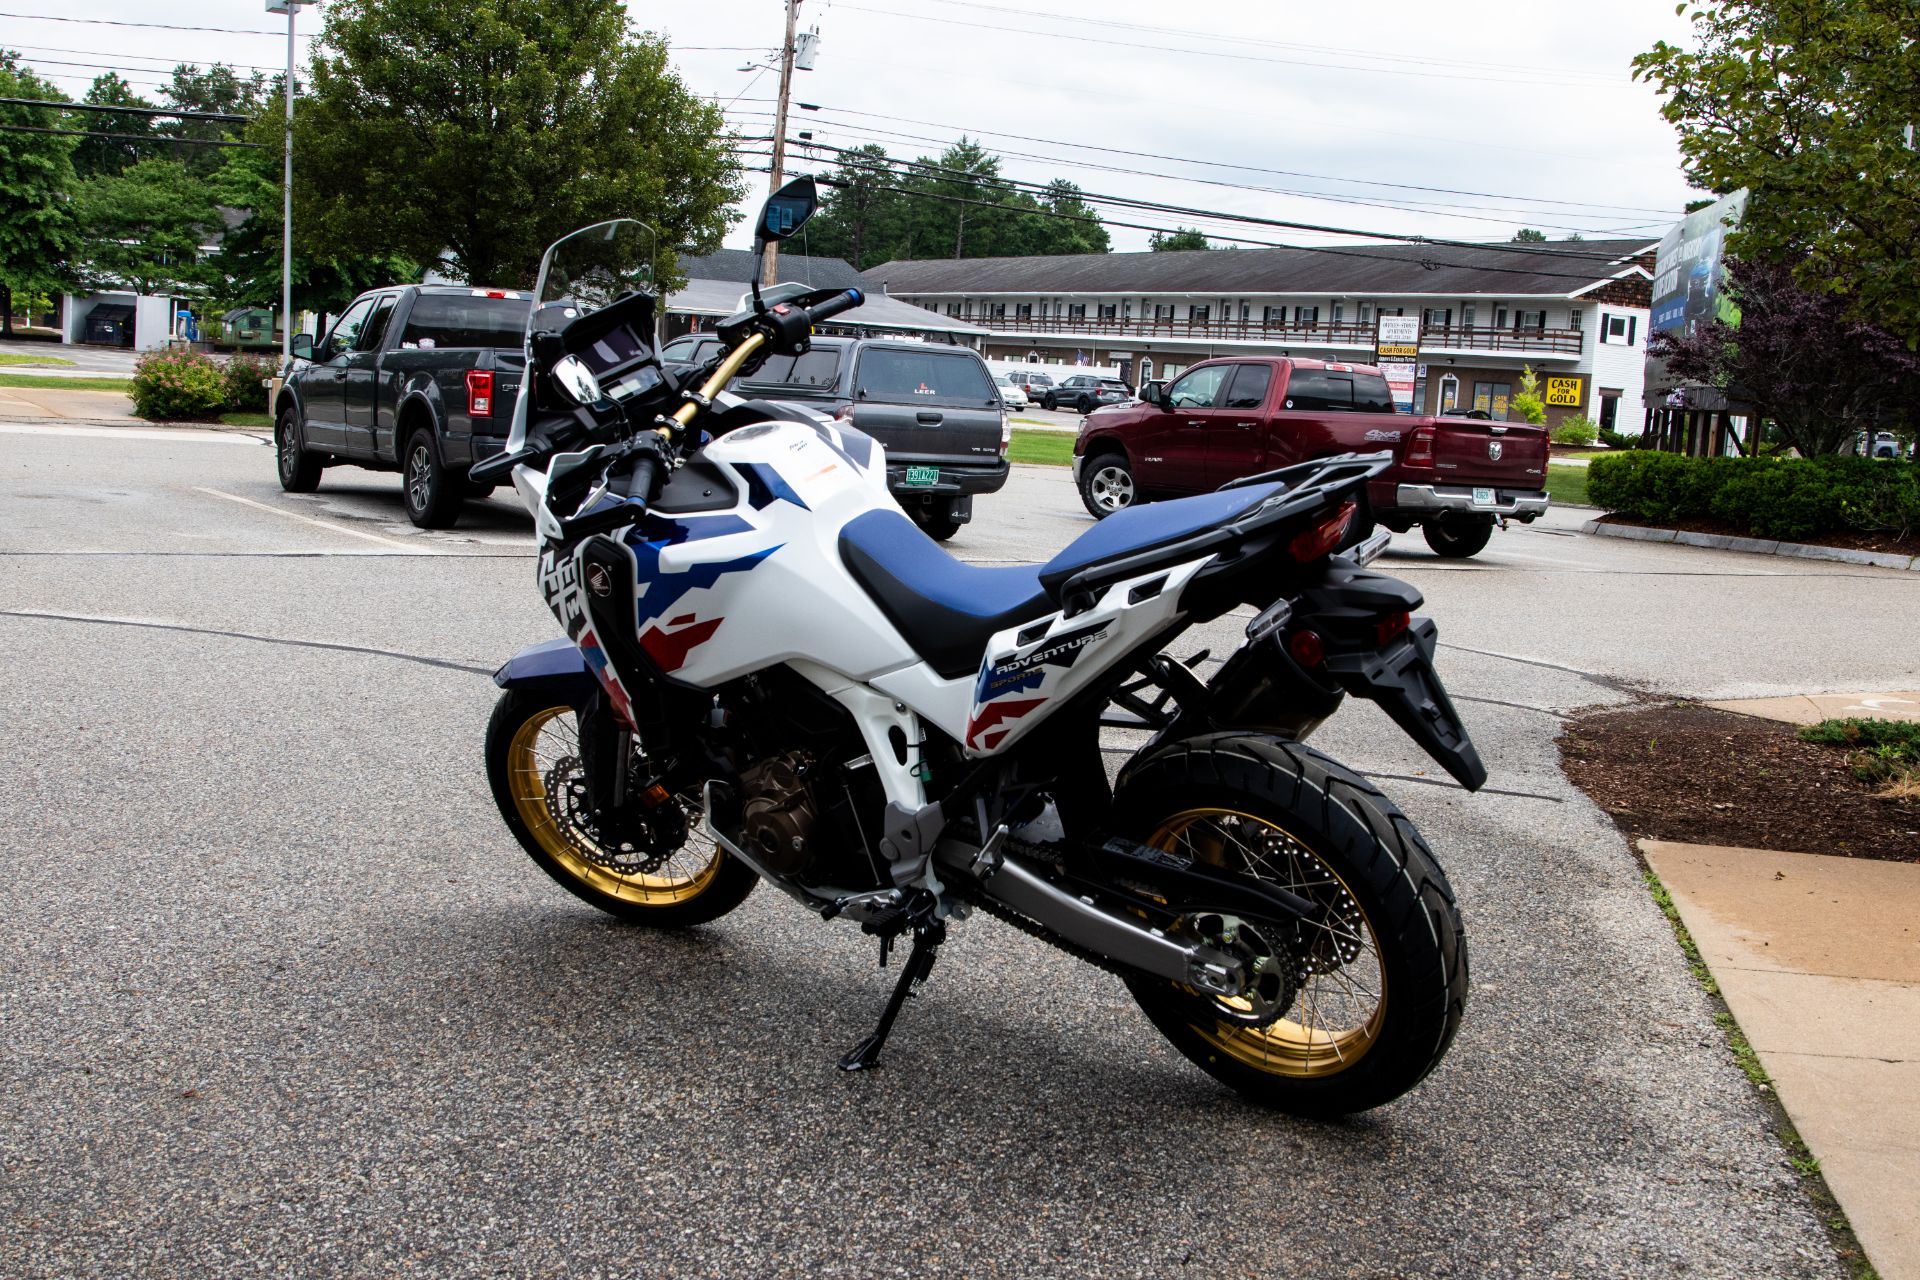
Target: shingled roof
1346 269
736 265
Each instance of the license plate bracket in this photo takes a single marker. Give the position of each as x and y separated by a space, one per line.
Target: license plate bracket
1485 497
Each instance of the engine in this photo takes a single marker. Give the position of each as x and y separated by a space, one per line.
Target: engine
779 817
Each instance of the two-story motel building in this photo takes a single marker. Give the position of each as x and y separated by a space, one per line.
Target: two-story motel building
1573 311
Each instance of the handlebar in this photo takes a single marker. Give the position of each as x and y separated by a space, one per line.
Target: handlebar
834 306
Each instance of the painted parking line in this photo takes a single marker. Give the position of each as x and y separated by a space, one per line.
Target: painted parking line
320 524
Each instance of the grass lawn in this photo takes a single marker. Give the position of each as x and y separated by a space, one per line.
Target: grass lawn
1567 484
247 419
9 358
1053 448
66 384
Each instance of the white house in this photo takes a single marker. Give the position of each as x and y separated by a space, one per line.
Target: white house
1573 311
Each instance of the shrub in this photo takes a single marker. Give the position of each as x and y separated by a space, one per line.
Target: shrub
1790 498
1575 431
1615 440
1878 750
243 377
1528 403
177 384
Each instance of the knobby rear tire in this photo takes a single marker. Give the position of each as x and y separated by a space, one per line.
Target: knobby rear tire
1376 854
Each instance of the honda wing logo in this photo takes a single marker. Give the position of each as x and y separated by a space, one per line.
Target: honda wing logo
1494 448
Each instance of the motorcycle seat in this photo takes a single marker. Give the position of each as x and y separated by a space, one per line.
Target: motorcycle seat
947 610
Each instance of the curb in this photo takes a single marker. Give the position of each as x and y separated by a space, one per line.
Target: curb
1752 546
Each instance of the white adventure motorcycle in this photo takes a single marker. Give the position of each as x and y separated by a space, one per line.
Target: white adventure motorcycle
770 672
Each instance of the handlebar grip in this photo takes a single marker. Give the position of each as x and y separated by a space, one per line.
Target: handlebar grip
834 306
640 477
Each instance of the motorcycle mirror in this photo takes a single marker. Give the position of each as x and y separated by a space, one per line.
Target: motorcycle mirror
787 209
576 381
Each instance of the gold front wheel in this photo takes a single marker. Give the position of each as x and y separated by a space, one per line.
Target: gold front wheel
533 764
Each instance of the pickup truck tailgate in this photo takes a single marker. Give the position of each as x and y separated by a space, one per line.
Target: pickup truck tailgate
1510 455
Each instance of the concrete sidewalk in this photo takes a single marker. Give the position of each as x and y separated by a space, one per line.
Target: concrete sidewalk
1812 708
1819 960
38 404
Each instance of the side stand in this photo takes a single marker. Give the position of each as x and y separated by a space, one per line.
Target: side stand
927 938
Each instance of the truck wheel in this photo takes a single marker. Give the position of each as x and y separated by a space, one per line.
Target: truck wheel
1456 539
937 519
433 497
299 470
1106 484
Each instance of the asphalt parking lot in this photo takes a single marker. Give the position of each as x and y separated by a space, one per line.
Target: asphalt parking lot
279 995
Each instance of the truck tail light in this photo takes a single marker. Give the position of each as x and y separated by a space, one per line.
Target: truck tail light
1311 544
1006 433
479 393
1419 448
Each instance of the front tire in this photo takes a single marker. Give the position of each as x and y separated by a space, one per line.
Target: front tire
529 740
1378 978
1106 484
433 495
299 470
1458 539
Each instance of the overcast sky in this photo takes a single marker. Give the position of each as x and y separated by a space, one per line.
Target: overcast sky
1523 111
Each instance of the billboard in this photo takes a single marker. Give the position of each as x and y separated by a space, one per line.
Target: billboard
1689 273
1396 350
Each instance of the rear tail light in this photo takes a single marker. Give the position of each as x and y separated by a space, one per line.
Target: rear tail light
479 393
1311 544
1419 448
1006 433
1389 627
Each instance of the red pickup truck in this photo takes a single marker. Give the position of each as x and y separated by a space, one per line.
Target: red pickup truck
1239 416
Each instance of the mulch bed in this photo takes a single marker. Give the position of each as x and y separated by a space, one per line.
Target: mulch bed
1699 775
1851 539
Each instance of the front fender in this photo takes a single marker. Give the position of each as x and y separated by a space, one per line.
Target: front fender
554 667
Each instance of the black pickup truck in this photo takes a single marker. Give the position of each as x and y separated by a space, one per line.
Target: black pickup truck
419 379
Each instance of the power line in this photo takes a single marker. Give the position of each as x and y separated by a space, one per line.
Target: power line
128 137
221 116
155 26
1438 208
1221 164
142 57
1236 57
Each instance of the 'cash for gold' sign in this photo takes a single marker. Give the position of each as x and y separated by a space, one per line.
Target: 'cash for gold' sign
1564 391
1397 338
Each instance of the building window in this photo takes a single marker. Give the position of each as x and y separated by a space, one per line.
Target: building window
953 308
999 311
1436 318
1163 311
1492 398
1246 312
1023 311
1366 313
1467 314
1273 316
1339 312
1574 318
1076 311
1108 311
1198 314
1449 393
1620 331
1529 320
1306 315
1500 316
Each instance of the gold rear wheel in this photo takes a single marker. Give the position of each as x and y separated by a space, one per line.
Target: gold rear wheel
1346 1008
533 758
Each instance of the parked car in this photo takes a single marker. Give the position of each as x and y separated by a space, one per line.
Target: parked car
1033 382
1012 394
419 379
1228 418
934 408
1086 392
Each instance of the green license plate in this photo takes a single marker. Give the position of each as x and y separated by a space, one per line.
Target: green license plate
923 475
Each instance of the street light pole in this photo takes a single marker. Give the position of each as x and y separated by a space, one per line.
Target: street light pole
778 167
290 8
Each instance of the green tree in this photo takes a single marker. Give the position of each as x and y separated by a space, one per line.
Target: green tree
1527 403
476 132
218 89
144 229
111 155
862 214
36 176
1179 238
1527 235
1805 103
1061 222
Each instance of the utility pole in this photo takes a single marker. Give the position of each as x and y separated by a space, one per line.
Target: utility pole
772 276
290 8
